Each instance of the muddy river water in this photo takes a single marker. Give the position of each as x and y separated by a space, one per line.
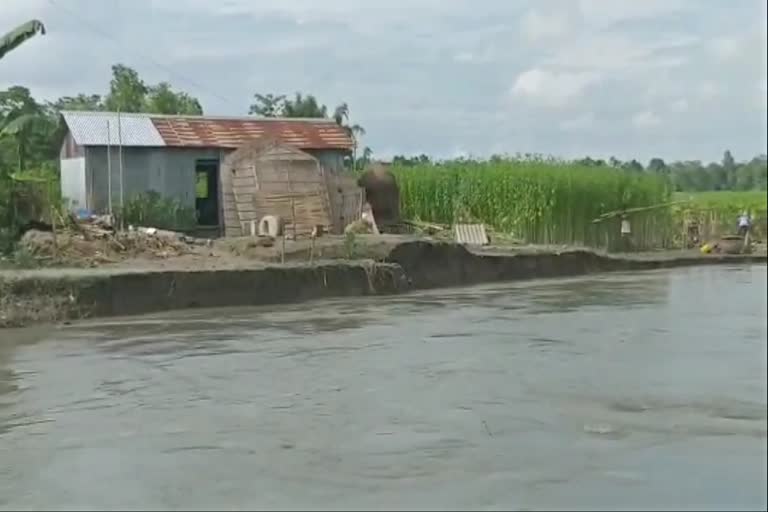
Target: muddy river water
619 390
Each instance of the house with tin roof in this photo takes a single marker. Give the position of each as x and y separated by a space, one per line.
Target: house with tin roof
107 158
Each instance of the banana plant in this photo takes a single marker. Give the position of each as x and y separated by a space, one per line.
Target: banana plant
18 35
18 129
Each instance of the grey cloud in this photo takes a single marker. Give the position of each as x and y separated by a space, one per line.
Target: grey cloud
395 64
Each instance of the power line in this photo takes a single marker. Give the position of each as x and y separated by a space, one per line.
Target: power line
96 29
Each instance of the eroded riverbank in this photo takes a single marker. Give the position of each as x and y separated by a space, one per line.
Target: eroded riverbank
53 295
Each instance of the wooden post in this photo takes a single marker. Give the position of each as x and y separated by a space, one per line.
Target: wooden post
311 250
53 212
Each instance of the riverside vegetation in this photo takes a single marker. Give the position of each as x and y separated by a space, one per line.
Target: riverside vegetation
545 201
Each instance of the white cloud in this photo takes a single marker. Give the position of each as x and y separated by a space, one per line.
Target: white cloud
707 91
608 12
584 67
646 119
581 123
537 26
551 88
613 52
464 56
725 48
679 105
762 95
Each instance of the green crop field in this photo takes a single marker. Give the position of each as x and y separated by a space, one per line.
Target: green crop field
717 212
539 202
728 201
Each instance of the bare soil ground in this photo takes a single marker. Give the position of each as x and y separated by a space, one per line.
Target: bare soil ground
142 254
169 251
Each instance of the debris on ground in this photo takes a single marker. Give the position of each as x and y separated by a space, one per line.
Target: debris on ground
359 227
94 242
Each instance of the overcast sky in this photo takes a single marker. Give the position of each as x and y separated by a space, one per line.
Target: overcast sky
680 79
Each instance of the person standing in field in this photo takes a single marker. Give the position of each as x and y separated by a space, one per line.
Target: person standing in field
626 233
744 224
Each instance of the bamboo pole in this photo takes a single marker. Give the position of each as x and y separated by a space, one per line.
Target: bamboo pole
120 164
109 170
52 209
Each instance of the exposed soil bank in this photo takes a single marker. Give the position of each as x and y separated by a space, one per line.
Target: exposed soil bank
58 294
33 297
432 265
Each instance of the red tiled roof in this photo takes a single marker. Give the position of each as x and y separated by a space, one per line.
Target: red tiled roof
232 133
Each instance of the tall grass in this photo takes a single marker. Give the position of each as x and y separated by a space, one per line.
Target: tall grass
540 202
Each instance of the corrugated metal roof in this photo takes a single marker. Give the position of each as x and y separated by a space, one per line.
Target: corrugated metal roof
90 129
471 234
232 133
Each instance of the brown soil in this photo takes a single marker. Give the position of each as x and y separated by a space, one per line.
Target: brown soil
166 251
140 251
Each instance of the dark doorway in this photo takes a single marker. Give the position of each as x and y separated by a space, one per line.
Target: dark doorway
207 192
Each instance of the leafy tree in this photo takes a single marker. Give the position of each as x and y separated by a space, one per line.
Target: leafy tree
267 105
126 90
304 106
25 130
728 162
16 101
590 162
307 106
161 99
632 166
411 161
31 132
129 93
354 131
657 166
271 105
88 102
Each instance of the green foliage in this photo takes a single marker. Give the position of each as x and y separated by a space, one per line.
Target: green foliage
717 212
694 176
270 105
24 197
129 93
19 35
539 201
88 102
126 90
422 159
161 99
351 247
150 209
